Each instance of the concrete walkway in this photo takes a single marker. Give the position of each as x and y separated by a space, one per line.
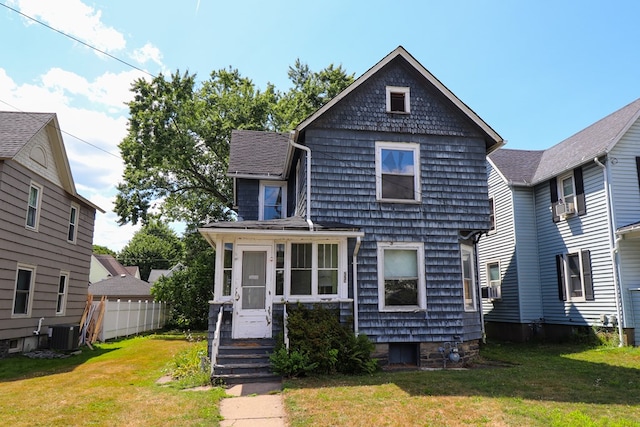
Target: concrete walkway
253 404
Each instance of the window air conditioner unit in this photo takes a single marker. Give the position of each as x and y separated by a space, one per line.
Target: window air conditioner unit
564 209
65 337
492 292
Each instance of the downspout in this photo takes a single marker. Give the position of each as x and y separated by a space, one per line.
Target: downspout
292 136
354 265
613 248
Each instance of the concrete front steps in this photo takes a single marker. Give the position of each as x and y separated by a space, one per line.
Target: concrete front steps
244 361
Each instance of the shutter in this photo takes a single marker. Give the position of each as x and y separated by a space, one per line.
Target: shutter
638 169
562 289
580 205
553 189
587 280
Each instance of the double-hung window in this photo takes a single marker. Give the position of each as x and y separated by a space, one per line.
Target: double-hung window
63 284
273 200
468 277
314 269
401 277
227 269
567 192
574 276
494 290
398 172
33 206
23 294
72 232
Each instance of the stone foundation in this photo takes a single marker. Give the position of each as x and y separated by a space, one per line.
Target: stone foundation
430 356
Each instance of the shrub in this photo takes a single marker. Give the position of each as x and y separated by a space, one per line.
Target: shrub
291 364
320 343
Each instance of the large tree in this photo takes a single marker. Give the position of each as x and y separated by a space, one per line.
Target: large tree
177 148
154 246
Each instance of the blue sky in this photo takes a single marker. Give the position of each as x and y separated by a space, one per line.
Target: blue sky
535 71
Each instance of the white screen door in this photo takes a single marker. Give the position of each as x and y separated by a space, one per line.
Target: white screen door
252 293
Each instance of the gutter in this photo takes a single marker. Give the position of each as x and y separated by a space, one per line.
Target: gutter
354 265
292 137
613 249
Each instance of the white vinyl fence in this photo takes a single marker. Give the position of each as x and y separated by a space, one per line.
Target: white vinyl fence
124 318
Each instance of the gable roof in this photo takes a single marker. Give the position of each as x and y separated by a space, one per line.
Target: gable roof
592 142
121 286
271 161
493 141
112 265
18 128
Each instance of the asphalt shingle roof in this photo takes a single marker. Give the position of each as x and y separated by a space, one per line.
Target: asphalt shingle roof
121 286
17 129
591 142
258 153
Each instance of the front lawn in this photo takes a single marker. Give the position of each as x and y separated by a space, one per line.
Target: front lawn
518 385
113 385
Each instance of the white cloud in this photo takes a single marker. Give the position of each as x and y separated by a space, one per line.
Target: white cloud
76 19
146 53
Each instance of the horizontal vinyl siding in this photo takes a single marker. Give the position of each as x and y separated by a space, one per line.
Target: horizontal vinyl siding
530 298
624 178
500 246
590 232
47 249
454 197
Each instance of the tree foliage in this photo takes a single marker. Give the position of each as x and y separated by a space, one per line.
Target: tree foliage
154 246
103 250
177 148
189 289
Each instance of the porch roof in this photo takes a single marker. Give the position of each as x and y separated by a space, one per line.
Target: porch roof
292 225
630 231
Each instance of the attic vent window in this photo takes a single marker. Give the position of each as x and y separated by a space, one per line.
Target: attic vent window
398 99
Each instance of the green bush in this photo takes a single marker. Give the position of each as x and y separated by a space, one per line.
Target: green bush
291 364
317 335
189 368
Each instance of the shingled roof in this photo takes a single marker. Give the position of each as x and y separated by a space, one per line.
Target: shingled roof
258 154
17 129
517 166
121 286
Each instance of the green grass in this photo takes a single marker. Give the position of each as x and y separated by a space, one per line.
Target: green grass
115 384
532 385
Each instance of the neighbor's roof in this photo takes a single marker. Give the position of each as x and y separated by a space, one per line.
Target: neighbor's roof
125 285
112 265
492 140
594 141
18 128
258 154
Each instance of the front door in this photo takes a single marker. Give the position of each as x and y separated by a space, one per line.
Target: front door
252 293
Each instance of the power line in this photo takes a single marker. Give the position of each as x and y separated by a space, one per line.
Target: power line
78 40
62 131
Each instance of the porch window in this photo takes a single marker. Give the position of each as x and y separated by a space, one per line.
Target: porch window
314 269
397 172
401 280
301 268
468 277
280 268
227 268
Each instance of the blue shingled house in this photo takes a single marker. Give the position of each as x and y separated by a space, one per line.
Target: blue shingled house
371 206
563 253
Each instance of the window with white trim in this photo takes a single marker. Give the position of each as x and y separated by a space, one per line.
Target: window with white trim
397 171
72 232
575 281
494 289
314 269
33 206
227 268
398 99
566 194
401 277
63 284
492 215
23 294
280 260
468 277
272 200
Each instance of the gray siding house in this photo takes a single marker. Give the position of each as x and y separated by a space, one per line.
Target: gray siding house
564 250
46 233
371 206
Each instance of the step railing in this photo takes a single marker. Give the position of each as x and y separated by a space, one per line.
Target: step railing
215 345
